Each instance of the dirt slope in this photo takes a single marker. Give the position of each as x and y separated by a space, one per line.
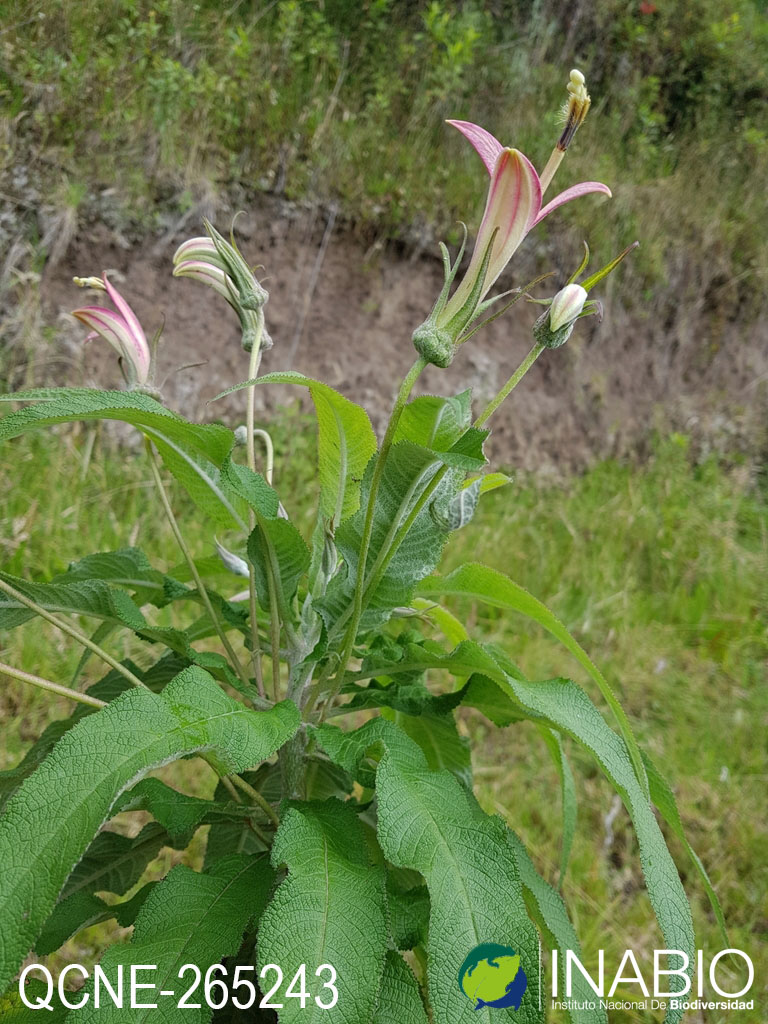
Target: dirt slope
602 394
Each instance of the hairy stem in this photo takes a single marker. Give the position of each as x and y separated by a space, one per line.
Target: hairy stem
511 384
70 630
257 798
253 369
46 684
357 603
235 661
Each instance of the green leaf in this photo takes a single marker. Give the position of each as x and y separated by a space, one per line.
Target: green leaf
400 998
548 910
329 910
192 452
346 442
14 1011
50 820
567 794
441 743
564 706
87 597
277 547
491 587
189 918
435 422
252 488
83 909
114 862
428 822
408 912
664 799
408 470
178 813
128 568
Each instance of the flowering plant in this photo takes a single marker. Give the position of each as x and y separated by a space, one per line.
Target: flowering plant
348 865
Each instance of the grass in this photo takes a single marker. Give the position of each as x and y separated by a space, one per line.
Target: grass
659 569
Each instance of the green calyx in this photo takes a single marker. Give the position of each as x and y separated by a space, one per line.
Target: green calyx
437 339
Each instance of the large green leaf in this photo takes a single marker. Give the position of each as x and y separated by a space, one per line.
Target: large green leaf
83 909
400 999
128 568
346 442
83 597
408 470
492 587
440 741
428 822
277 548
114 862
664 799
50 820
434 421
329 910
189 918
564 706
548 910
193 452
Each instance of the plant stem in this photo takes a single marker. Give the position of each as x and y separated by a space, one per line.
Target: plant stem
236 665
253 369
257 798
46 684
357 604
511 384
65 627
227 783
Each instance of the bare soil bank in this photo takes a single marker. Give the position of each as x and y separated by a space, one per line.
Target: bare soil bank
602 394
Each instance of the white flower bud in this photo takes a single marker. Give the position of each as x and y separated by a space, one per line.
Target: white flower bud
566 306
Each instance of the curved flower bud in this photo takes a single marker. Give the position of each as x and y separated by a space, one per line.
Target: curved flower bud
200 248
219 264
121 329
210 274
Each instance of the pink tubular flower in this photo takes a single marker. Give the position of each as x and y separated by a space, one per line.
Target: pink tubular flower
122 330
514 207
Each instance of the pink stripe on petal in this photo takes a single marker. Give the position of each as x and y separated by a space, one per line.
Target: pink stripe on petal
106 324
487 146
113 329
514 199
583 189
141 359
513 210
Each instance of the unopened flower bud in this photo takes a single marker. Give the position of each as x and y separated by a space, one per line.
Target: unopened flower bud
434 344
566 306
231 561
544 335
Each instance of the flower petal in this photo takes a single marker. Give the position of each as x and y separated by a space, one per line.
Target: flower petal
583 189
202 248
138 349
514 200
207 274
108 325
487 146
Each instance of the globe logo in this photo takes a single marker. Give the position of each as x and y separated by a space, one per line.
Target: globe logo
492 976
